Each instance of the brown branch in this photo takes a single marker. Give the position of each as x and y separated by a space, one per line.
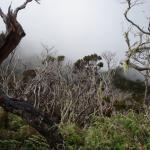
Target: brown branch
149 25
3 16
23 6
144 48
41 122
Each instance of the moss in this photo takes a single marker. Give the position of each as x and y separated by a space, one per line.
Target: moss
15 122
20 136
26 131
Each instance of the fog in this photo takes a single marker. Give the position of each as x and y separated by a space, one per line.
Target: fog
74 27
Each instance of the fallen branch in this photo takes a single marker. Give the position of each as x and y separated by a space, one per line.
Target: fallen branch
36 119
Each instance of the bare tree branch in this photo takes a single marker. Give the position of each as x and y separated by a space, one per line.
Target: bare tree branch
138 67
2 15
130 6
23 6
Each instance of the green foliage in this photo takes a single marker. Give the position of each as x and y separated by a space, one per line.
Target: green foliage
120 132
15 122
20 136
50 58
73 135
9 144
60 58
89 61
35 142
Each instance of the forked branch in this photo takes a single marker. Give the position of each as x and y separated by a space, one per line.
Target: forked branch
23 6
131 4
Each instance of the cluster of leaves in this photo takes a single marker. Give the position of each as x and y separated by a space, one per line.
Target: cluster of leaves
120 132
50 58
92 60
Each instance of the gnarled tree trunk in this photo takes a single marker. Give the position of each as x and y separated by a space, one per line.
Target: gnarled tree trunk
12 37
38 120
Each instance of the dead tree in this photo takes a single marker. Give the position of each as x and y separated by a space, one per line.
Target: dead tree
138 54
38 120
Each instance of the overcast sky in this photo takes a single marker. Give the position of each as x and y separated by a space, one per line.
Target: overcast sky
74 27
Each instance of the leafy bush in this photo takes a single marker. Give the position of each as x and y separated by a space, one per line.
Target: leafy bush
73 135
20 136
9 144
35 142
15 122
120 132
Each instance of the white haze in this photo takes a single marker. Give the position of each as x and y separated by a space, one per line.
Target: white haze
74 27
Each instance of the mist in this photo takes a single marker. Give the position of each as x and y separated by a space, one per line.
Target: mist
74 27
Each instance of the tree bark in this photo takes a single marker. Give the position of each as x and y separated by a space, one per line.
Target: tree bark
12 37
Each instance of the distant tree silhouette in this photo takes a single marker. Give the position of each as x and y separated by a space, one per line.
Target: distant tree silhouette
89 63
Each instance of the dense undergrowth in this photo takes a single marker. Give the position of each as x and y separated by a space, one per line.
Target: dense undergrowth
94 109
119 132
15 134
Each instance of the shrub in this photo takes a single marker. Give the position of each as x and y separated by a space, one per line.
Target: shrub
120 132
20 136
